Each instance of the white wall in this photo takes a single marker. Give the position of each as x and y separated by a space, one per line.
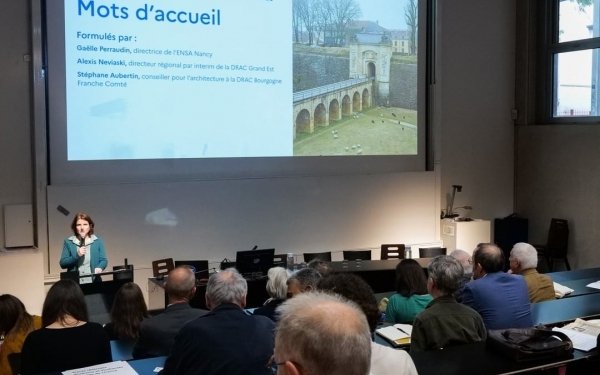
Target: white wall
473 97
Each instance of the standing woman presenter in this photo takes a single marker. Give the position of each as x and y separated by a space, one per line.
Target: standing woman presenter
83 252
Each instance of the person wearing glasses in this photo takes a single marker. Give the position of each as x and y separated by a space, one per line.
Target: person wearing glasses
523 261
466 262
500 298
445 322
321 334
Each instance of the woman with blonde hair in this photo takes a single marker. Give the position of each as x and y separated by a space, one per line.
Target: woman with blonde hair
15 324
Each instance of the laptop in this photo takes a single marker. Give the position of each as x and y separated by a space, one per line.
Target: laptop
200 267
254 264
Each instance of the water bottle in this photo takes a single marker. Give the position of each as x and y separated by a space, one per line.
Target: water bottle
407 252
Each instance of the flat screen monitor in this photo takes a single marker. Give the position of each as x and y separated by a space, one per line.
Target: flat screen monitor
200 267
254 264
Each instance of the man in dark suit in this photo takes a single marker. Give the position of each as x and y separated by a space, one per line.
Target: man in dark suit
501 299
227 340
157 334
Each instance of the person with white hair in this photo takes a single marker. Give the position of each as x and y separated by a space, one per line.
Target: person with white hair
277 291
523 261
321 334
227 340
466 262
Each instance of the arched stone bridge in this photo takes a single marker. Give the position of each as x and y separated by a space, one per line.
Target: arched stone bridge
321 105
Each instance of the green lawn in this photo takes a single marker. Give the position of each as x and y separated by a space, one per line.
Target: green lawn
376 131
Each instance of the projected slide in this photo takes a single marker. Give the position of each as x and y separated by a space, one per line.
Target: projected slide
176 79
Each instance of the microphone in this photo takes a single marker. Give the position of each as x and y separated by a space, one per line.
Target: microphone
255 247
81 240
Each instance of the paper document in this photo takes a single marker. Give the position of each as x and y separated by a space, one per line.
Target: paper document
406 328
394 335
113 368
595 285
560 290
583 334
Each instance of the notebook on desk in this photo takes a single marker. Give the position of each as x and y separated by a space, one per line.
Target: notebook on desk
254 264
397 334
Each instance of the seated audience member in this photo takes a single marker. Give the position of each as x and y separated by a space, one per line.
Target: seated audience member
501 299
321 266
157 333
15 325
226 340
321 334
411 293
384 359
67 341
301 281
464 259
277 290
523 261
445 322
127 312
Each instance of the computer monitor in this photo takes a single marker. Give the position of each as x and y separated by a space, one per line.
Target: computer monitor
254 264
200 267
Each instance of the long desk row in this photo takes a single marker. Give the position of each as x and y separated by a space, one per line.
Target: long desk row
379 274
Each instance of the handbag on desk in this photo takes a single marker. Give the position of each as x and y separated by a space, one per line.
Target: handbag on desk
524 344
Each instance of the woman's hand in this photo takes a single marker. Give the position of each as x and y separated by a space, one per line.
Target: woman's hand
81 251
97 270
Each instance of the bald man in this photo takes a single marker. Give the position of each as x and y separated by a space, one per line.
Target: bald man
157 334
501 299
321 334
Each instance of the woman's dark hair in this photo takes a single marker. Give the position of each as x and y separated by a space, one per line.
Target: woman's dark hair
13 314
64 298
128 311
410 278
353 288
82 216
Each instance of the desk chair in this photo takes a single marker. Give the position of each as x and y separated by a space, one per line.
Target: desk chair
126 275
326 256
392 251
122 350
280 260
162 267
357 254
557 244
431 252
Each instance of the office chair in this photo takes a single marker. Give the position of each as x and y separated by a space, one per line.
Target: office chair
431 252
326 256
162 267
556 245
280 260
122 350
392 251
357 254
125 274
